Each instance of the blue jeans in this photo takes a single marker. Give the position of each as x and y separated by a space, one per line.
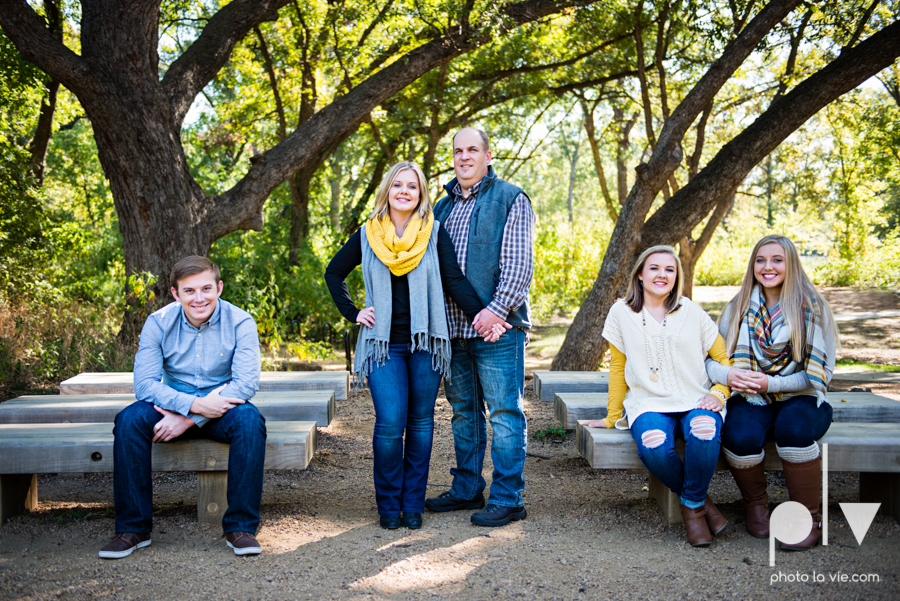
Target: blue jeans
490 374
795 422
655 435
242 427
403 390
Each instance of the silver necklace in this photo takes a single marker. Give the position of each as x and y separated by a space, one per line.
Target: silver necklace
654 371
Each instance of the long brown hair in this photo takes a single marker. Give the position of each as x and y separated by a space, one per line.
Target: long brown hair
634 297
796 292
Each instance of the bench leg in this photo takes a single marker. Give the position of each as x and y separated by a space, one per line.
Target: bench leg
212 499
667 501
18 493
881 488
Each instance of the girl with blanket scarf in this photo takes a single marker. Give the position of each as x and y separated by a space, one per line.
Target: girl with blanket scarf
408 262
659 342
782 338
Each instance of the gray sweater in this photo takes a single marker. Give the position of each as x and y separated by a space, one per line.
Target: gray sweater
795 384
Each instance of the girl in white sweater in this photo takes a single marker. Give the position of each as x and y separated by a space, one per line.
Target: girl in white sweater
659 342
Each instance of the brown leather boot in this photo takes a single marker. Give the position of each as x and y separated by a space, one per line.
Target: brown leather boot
695 523
714 520
803 483
752 482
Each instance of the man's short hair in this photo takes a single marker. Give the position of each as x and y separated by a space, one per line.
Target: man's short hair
485 142
192 265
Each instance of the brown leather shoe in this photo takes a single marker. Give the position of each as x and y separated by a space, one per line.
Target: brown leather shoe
752 482
695 523
243 543
803 482
714 519
124 544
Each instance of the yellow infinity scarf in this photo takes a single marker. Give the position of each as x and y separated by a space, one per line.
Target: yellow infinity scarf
400 255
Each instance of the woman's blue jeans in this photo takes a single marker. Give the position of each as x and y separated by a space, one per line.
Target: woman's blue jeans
655 435
403 390
242 427
796 422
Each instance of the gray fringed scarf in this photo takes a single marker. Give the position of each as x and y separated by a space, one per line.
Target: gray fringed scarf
428 319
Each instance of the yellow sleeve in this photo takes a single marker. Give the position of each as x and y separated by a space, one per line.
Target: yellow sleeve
617 387
720 355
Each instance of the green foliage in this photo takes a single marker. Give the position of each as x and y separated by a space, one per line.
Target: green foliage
879 267
44 341
566 263
551 433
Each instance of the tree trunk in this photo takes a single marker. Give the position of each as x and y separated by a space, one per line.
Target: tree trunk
573 164
677 217
581 350
44 130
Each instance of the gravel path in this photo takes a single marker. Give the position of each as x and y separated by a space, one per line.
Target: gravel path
590 534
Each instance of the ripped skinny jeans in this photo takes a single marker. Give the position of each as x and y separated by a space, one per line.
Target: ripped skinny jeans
655 435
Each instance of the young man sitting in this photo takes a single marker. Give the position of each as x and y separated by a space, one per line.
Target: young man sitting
196 368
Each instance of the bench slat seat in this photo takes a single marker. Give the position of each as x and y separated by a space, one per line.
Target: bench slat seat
570 407
872 449
29 449
61 448
548 383
300 406
123 382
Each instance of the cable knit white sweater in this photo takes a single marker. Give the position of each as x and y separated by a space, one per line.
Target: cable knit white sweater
689 333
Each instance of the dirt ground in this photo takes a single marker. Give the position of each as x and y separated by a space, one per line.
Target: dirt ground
590 534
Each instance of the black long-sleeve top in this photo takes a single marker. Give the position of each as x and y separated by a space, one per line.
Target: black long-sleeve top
452 278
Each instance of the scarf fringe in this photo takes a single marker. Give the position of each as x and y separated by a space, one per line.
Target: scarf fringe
439 349
374 356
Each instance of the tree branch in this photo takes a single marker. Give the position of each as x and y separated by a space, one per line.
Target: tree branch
242 204
28 32
198 65
731 164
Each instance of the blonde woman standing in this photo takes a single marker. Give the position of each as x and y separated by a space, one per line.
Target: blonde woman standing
659 341
408 261
782 337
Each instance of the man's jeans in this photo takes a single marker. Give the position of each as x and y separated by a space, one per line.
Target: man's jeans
489 374
796 422
403 391
242 427
655 435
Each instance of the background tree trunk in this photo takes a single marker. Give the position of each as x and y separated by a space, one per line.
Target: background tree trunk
720 178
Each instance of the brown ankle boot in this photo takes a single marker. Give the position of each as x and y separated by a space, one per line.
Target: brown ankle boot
803 483
714 519
695 523
752 482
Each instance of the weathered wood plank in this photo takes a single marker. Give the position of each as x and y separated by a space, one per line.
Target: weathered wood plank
55 448
269 381
289 405
548 383
668 502
852 447
212 496
18 493
860 407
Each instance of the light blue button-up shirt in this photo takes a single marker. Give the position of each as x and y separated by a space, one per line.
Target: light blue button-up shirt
177 362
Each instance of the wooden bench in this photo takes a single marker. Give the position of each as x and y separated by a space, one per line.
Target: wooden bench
269 381
572 407
299 406
28 449
872 449
547 384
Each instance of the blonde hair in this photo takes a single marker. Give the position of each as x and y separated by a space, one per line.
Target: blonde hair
634 296
381 197
796 291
